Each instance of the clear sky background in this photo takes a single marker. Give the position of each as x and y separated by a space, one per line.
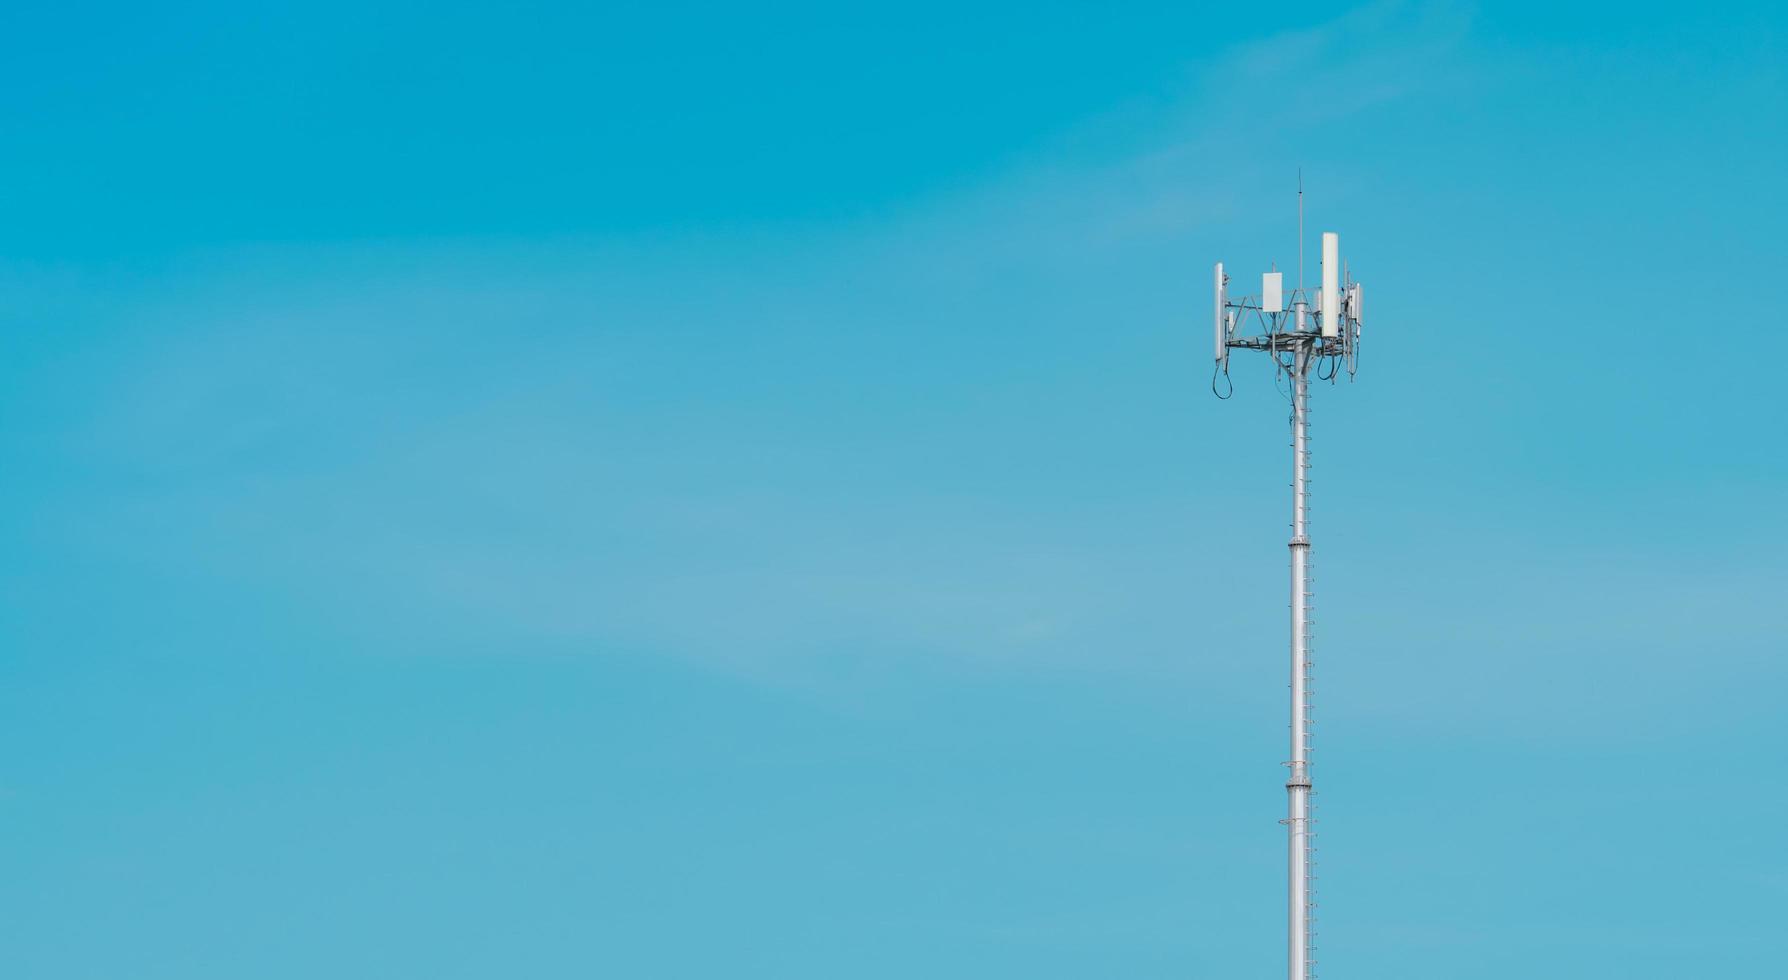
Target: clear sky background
672 491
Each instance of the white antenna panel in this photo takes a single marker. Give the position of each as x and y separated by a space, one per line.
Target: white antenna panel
1331 276
1218 317
1272 292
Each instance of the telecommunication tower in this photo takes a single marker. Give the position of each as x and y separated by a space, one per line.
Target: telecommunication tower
1302 333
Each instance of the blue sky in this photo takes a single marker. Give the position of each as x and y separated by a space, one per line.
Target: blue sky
670 491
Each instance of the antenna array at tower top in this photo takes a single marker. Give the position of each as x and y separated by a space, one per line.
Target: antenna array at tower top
1322 322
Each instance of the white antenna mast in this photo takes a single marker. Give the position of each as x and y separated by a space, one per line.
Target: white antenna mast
1300 348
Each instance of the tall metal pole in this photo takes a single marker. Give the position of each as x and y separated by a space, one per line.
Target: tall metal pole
1298 784
1297 346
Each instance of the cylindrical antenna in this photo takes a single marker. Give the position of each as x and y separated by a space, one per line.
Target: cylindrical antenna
1331 285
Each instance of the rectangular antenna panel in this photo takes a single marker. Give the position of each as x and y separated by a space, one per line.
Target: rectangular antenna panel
1218 317
1359 295
1331 276
1272 292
